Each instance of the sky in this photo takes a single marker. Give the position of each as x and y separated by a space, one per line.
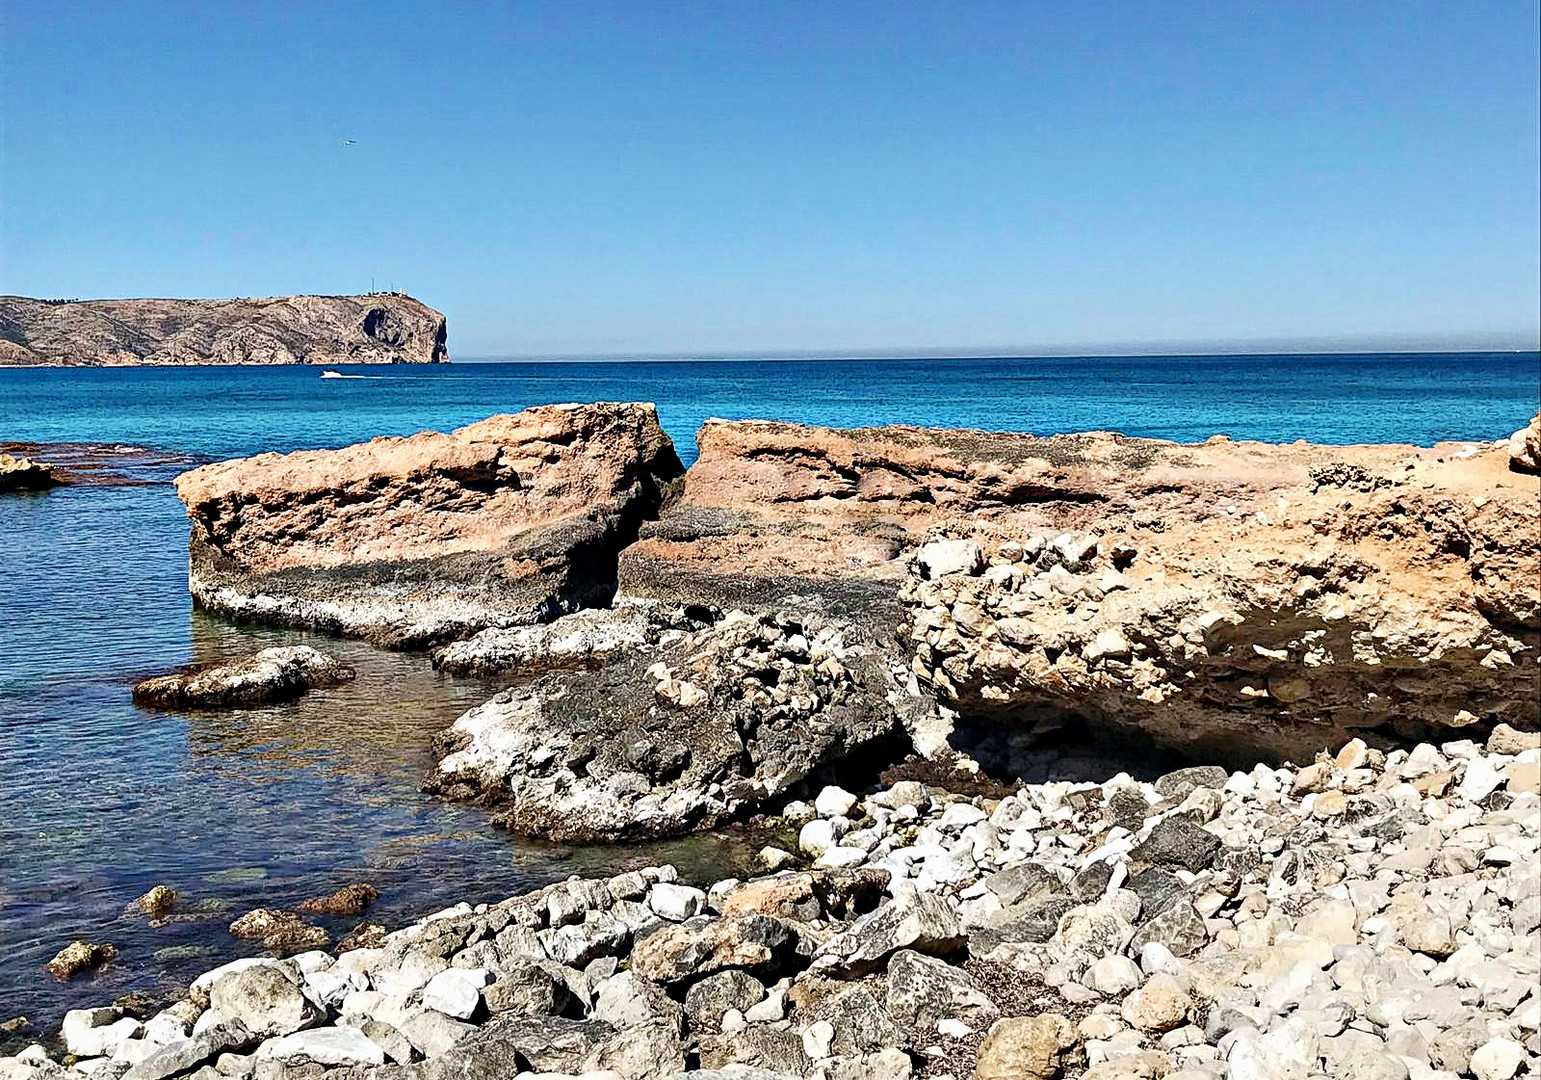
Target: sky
648 177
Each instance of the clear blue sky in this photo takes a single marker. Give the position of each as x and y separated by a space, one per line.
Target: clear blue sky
577 177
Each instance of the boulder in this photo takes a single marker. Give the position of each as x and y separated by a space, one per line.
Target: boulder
1525 447
415 541
626 751
707 1001
685 951
923 990
217 1038
348 900
279 931
23 474
276 674
1028 1048
79 956
266 1001
333 1047
923 922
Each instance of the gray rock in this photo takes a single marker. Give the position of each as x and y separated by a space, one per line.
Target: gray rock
709 999
1180 928
275 674
333 1046
432 1033
1178 841
189 1053
527 988
924 922
1177 785
627 1000
398 1048
266 1001
923 990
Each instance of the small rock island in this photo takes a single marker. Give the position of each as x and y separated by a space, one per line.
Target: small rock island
378 328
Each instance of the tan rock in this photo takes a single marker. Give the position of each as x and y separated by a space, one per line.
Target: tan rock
409 541
1353 755
1028 1048
1329 804
1506 740
1349 588
157 902
1159 1005
79 956
1523 776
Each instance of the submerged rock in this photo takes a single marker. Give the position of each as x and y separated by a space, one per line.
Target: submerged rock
348 900
276 674
156 903
415 541
279 931
79 956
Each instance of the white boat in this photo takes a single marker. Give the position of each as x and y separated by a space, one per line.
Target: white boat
330 374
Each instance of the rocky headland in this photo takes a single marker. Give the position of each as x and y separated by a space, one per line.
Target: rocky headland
380 328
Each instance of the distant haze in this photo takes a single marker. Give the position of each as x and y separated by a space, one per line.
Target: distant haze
842 177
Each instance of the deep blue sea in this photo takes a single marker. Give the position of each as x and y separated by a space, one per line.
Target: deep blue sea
100 800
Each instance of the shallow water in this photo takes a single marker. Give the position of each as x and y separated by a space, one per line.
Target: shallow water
100 800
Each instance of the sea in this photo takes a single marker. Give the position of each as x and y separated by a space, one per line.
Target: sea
100 800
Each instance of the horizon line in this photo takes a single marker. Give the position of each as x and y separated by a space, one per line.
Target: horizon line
942 354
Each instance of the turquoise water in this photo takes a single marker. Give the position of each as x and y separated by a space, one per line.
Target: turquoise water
223 412
100 800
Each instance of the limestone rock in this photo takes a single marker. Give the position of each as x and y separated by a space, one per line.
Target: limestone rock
19 473
597 755
678 952
79 956
275 674
265 1001
414 541
1027 1048
1525 447
922 922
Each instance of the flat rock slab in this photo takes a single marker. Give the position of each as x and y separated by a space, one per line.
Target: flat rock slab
276 674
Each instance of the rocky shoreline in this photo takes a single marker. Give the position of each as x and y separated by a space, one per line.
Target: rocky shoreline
871 636
1367 914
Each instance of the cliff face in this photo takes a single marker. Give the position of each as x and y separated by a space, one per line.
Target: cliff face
379 329
412 541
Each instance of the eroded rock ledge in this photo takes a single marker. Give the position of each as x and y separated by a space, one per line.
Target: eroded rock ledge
1230 597
809 596
414 541
381 328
